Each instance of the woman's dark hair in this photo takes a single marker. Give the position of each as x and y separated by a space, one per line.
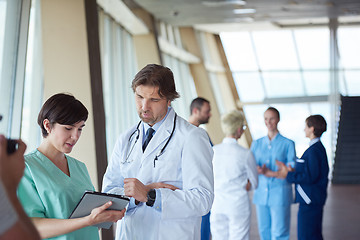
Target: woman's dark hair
318 122
157 76
63 109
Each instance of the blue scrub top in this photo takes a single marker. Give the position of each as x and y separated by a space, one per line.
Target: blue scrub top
47 192
273 191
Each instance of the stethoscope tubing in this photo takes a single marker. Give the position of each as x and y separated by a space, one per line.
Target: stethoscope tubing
137 130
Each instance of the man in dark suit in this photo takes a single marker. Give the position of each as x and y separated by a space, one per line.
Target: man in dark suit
311 178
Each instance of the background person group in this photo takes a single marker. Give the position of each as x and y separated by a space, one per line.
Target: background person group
236 169
275 156
174 172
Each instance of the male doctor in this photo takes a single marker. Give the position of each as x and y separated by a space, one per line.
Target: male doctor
163 163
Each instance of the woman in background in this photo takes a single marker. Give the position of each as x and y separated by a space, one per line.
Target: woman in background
235 174
273 197
311 178
54 182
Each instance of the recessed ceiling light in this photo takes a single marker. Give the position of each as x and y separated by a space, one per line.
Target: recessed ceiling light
239 20
217 3
244 11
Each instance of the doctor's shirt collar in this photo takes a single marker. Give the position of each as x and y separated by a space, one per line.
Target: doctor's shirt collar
157 125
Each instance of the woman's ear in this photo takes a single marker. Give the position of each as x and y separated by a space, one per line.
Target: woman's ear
240 131
47 125
312 129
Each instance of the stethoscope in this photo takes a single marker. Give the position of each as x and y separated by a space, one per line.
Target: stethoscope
137 131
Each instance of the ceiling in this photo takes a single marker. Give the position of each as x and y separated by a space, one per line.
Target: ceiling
219 15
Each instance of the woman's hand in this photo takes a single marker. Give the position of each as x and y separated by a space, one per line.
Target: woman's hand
264 170
101 214
283 170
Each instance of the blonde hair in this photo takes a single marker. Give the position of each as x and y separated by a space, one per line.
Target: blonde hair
231 121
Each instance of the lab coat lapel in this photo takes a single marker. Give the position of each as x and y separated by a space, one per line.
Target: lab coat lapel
161 136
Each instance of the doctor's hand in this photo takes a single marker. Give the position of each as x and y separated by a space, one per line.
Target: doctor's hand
248 185
158 185
136 189
101 214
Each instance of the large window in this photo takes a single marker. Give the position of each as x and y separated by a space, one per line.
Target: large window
118 69
170 37
33 88
349 50
278 68
14 16
184 84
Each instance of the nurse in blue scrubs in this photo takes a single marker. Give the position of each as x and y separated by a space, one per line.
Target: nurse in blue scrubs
54 182
273 197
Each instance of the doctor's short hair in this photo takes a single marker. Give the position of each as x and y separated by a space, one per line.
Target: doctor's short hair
63 109
232 121
318 122
157 76
197 103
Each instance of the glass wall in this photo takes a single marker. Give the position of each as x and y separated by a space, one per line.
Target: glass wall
349 51
183 78
118 64
33 88
184 85
280 67
14 17
213 67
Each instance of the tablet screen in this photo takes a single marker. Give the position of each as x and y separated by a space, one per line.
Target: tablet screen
91 200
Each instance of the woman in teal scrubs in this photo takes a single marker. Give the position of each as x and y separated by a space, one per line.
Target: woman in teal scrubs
54 182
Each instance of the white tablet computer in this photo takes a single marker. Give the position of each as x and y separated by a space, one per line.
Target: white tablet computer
91 200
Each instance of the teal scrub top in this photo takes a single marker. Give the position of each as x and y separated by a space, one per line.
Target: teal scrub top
46 192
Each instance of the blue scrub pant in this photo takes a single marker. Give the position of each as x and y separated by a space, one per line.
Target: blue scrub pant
205 227
273 222
310 222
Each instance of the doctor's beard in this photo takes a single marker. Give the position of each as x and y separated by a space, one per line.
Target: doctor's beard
149 118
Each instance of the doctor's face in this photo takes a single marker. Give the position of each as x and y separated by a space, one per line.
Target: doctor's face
150 106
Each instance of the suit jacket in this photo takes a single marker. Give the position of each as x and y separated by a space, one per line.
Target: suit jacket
311 176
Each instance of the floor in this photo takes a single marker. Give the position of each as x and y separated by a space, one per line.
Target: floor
341 219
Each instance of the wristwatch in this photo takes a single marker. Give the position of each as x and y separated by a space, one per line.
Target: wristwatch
151 196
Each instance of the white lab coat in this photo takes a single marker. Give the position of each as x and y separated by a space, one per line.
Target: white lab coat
230 213
186 163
